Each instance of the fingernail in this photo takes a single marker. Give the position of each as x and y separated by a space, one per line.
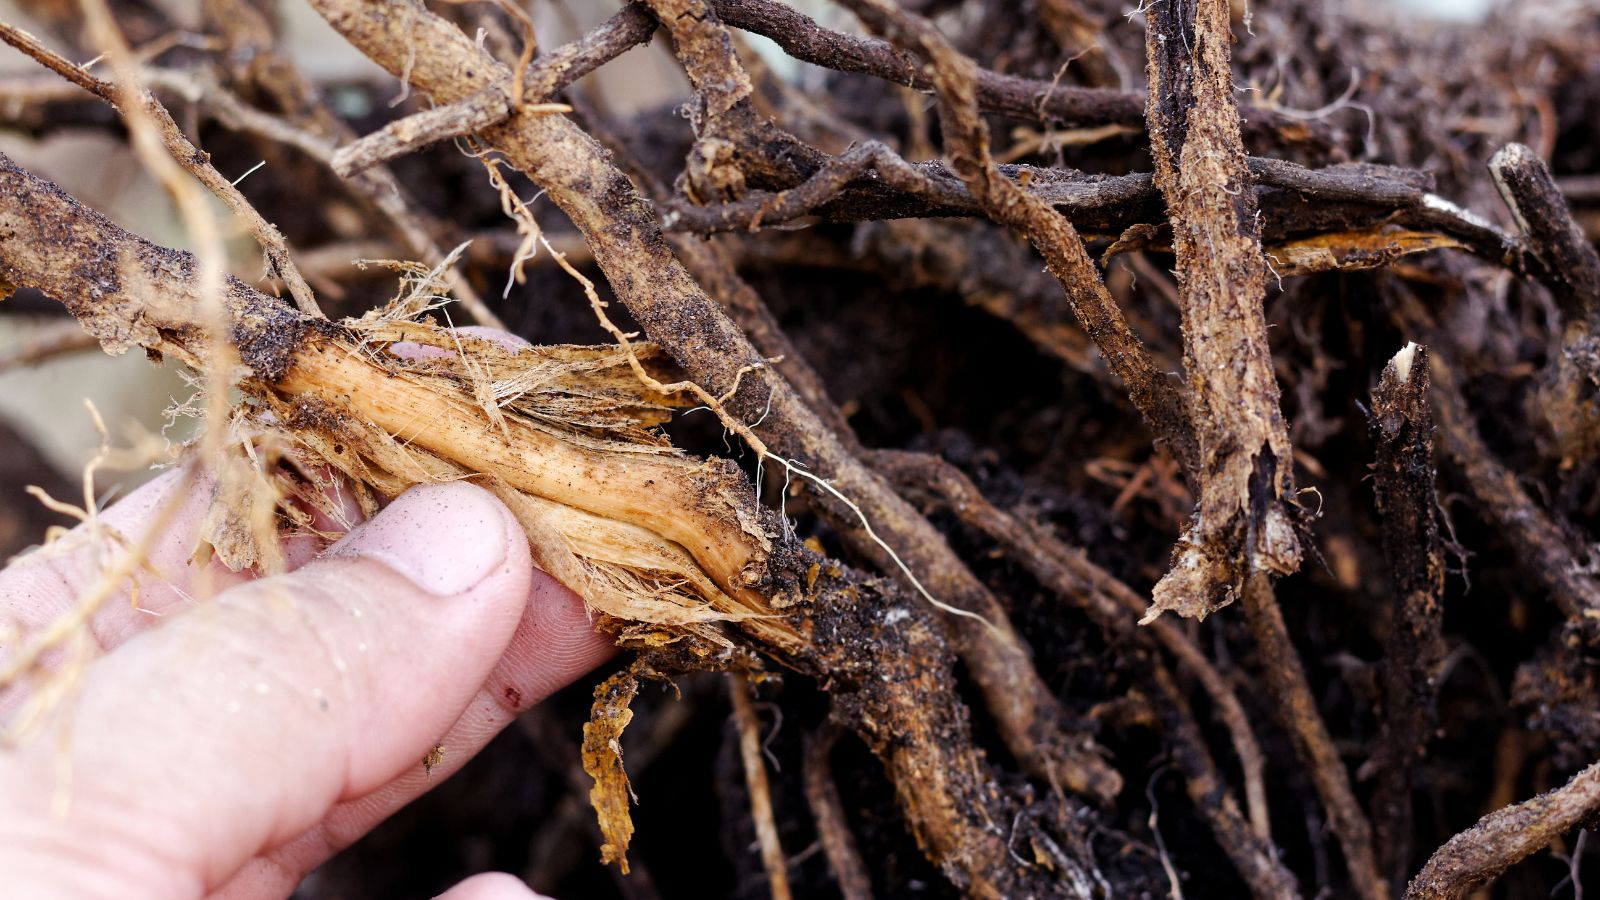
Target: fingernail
445 538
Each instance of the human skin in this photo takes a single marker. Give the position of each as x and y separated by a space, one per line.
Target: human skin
224 747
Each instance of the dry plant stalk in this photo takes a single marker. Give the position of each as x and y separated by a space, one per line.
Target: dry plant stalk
1244 523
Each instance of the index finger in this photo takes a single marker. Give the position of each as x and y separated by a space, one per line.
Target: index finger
41 586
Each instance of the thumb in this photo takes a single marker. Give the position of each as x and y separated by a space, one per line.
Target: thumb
491 886
235 727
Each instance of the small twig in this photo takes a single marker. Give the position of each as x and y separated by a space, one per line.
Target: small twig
827 810
412 133
1480 854
534 80
1297 710
1008 95
442 123
1570 268
1571 262
1377 185
1401 424
755 780
557 69
48 342
758 207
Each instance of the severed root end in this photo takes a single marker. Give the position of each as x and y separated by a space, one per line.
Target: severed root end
1402 361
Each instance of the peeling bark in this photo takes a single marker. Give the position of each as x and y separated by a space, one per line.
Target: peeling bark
1245 522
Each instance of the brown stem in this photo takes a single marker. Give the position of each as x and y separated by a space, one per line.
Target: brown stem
1107 600
550 74
711 266
1572 264
755 781
1244 530
757 207
1403 479
466 116
1297 710
1007 95
827 810
1243 523
1568 392
1480 854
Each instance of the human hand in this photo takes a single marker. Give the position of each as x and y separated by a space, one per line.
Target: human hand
227 747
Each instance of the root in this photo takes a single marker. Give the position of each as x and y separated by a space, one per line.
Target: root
813 191
755 775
